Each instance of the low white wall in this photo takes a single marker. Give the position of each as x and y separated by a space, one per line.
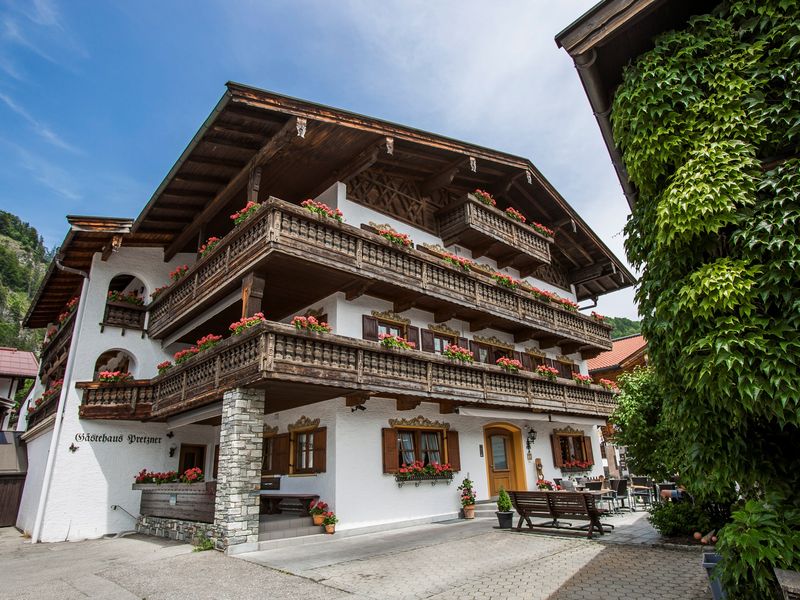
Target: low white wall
37 449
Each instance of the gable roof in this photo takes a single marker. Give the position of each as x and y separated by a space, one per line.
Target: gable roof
621 350
18 363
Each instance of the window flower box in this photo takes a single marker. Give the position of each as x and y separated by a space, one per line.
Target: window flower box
239 327
485 197
458 353
178 273
510 365
310 324
210 244
323 210
418 479
241 215
550 373
395 342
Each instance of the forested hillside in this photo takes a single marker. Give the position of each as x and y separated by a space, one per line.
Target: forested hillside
623 326
23 262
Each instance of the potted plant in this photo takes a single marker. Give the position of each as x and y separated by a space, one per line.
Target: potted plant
505 516
329 520
317 511
467 498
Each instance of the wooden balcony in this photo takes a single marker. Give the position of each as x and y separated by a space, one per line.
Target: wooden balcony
282 240
44 410
131 400
55 352
298 368
124 315
488 231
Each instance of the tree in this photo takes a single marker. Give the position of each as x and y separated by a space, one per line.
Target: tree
640 425
709 125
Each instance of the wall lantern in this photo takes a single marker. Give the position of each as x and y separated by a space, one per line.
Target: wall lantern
529 441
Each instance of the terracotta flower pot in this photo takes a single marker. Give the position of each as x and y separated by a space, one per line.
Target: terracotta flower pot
330 528
318 519
469 511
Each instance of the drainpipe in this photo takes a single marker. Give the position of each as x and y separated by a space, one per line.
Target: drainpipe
62 400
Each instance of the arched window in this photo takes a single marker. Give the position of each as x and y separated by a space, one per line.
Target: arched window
125 302
115 360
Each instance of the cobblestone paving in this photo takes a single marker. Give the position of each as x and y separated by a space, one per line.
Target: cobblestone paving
503 565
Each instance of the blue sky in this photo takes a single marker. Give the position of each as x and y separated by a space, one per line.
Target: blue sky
98 99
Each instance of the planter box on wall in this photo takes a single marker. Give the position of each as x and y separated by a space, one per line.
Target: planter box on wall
186 501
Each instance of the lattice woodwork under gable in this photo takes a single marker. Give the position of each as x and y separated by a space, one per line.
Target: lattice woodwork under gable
552 273
393 195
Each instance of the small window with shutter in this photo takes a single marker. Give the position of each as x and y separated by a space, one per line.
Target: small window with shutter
571 449
406 445
307 451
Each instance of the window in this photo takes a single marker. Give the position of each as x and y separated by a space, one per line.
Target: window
192 456
374 327
489 353
427 445
307 449
437 341
565 368
569 446
304 452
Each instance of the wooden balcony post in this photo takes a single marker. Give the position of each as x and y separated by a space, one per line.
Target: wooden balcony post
252 294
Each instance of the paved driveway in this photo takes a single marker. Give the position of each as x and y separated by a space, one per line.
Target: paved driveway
443 561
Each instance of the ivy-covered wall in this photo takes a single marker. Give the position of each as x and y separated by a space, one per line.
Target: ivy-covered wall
709 126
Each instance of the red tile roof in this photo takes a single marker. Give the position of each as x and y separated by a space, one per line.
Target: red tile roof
18 363
621 349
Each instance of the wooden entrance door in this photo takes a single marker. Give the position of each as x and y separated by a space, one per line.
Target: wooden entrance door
500 456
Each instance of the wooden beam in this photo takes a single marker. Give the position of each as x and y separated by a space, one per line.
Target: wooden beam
444 314
549 341
446 408
569 347
443 177
583 274
252 294
276 143
481 250
112 246
481 323
194 178
523 336
506 260
502 188
406 302
245 146
356 398
355 165
356 289
408 403
213 161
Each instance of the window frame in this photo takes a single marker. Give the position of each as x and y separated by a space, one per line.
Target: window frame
417 447
388 324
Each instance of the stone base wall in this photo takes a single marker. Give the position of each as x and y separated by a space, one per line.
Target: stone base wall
176 529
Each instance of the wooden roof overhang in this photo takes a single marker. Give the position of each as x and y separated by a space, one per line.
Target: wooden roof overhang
297 149
610 36
86 237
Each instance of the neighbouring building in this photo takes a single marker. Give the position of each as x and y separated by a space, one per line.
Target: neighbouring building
278 414
626 354
16 367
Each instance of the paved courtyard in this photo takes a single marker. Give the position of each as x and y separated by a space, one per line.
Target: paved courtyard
452 560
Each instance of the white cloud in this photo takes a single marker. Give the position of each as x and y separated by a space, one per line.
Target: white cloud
49 175
40 128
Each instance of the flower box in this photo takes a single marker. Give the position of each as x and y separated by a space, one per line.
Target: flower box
185 501
417 479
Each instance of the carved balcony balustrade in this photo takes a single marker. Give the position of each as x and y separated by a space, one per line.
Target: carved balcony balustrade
55 350
488 231
129 400
300 367
125 315
282 240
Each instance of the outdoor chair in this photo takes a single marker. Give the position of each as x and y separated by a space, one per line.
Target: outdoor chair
622 494
642 491
594 486
568 485
557 480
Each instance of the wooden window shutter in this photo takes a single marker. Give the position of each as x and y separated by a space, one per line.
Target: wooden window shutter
527 361
320 449
463 342
391 455
558 459
369 328
587 449
549 362
280 454
564 369
474 349
453 450
517 356
426 337
413 336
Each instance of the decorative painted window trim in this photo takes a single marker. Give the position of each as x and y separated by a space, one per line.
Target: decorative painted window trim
444 330
493 341
535 352
303 424
418 422
392 317
568 431
270 431
565 359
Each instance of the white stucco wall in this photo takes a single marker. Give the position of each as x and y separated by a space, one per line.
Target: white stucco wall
37 449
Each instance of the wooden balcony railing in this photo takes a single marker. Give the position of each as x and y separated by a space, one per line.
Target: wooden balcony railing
488 231
131 400
280 228
125 315
44 410
277 356
57 347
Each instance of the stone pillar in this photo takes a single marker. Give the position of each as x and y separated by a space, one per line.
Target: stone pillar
241 441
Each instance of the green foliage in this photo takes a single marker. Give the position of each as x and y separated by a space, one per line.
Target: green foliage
764 534
674 519
639 424
12 227
503 501
203 544
709 125
623 326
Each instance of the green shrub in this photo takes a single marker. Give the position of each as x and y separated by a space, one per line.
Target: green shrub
203 543
503 501
678 518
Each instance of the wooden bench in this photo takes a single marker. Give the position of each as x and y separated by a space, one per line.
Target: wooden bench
557 505
271 501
